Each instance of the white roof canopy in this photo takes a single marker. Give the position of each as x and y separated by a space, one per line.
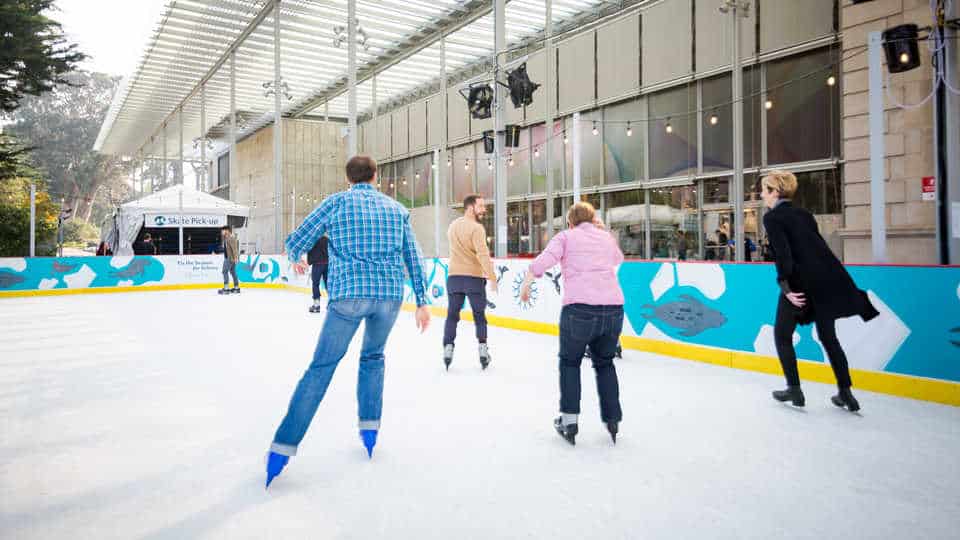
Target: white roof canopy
192 202
192 45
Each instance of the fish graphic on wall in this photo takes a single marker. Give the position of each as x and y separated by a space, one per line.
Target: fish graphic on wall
135 269
687 314
63 268
8 279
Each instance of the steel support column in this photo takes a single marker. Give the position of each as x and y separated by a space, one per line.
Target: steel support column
878 223
277 135
549 90
500 177
352 78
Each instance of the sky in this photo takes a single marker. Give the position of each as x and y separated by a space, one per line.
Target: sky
113 33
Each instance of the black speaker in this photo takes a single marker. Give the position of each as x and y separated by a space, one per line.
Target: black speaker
512 136
901 48
488 142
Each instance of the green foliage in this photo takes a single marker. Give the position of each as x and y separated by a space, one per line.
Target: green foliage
34 54
15 219
80 232
62 127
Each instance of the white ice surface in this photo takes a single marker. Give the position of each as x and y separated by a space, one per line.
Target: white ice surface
156 426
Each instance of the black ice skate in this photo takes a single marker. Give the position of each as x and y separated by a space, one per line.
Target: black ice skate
845 399
568 432
613 428
448 355
484 356
792 394
316 307
235 290
223 291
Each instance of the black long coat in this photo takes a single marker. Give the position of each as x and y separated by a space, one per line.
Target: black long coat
806 264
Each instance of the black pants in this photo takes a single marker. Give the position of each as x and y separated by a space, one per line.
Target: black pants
826 330
318 272
599 327
459 288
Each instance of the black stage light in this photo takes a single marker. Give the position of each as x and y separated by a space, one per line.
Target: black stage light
901 48
480 100
488 141
512 136
521 88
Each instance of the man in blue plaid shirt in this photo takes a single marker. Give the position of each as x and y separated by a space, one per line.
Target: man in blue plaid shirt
371 242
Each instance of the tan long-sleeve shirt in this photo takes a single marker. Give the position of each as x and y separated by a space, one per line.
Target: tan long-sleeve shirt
469 254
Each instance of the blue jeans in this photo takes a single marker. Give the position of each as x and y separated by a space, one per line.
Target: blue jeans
339 326
599 327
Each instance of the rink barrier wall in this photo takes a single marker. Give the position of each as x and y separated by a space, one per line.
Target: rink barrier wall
720 314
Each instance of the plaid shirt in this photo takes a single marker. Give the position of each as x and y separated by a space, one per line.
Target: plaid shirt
370 244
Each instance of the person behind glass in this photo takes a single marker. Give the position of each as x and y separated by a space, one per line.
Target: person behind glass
318 260
471 269
814 285
681 245
147 247
592 313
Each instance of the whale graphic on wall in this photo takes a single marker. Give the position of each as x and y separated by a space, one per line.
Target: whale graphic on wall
687 314
8 279
135 269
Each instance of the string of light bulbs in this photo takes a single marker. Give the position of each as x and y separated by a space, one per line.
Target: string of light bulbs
713 119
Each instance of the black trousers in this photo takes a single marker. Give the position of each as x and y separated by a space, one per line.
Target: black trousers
318 272
783 330
599 327
458 289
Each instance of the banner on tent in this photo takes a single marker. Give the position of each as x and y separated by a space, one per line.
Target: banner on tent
184 220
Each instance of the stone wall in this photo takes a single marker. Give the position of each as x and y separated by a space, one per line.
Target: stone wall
911 222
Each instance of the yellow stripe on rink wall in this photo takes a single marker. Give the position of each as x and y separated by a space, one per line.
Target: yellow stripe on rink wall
937 391
887 383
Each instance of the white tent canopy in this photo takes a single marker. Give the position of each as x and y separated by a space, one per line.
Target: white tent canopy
174 205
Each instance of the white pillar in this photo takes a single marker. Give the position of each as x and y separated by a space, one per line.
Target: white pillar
163 141
233 122
203 138
878 224
352 78
179 175
500 177
435 169
736 190
277 135
33 219
374 124
575 139
549 91
440 157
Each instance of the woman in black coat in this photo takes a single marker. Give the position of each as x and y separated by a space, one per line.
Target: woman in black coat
815 288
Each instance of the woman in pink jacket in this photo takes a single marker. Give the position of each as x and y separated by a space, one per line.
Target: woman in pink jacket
592 313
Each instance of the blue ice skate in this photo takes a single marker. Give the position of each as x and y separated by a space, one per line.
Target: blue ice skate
369 438
275 463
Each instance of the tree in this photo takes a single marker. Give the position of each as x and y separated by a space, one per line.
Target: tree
15 212
62 126
34 54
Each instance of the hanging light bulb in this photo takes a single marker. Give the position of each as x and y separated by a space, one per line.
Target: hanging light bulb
449 162
565 138
416 176
768 104
596 131
831 80
510 162
714 119
904 58
466 165
669 127
536 152
629 130
403 180
489 165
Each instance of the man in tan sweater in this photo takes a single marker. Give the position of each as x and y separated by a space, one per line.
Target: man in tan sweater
231 254
471 268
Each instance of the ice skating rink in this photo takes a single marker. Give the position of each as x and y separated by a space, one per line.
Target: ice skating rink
148 415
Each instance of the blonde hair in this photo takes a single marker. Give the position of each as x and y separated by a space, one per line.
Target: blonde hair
782 181
581 212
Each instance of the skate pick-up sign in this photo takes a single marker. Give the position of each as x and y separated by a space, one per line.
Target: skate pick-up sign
184 220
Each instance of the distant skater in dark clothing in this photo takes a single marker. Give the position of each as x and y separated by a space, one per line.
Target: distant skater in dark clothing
815 288
319 262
